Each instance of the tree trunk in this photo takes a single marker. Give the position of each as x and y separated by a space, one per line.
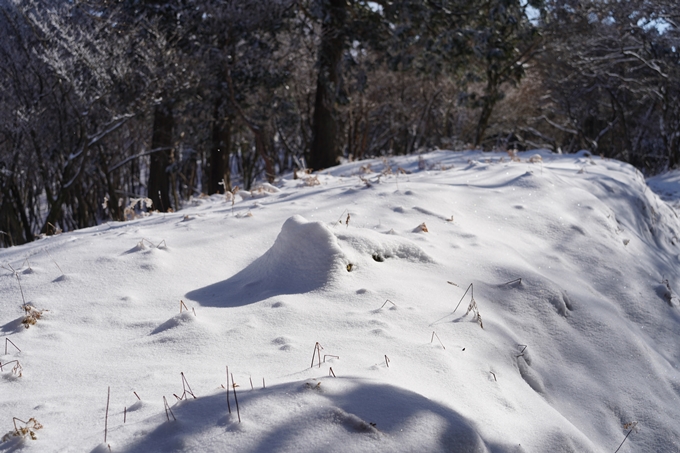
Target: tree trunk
324 150
491 96
219 154
159 183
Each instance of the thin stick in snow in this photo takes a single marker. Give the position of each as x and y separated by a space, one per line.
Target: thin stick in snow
185 386
387 361
521 352
472 296
53 260
7 340
434 334
106 419
317 352
386 303
16 274
234 385
633 427
167 409
228 403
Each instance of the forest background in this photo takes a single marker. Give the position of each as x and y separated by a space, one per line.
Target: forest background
110 106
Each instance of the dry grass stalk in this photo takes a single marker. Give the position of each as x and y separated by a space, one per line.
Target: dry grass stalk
631 426
475 311
16 274
137 396
106 418
29 429
186 389
331 372
330 355
228 403
17 369
168 411
387 361
233 386
317 352
386 303
182 304
517 280
32 315
251 383
7 340
54 261
434 334
472 295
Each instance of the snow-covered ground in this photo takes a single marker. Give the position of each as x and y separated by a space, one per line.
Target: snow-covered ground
571 331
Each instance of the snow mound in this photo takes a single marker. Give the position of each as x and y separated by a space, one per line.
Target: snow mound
305 257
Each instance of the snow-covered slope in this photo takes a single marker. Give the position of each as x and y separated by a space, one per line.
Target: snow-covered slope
568 266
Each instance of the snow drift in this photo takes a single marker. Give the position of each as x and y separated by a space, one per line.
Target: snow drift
570 264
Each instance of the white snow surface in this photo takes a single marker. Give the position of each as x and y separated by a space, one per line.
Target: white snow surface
573 263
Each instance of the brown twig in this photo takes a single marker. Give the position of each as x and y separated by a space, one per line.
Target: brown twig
331 372
234 385
106 419
182 304
137 396
494 376
167 409
633 426
317 352
228 403
185 386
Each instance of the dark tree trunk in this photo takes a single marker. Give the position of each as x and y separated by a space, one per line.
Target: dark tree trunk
491 96
159 182
324 150
219 154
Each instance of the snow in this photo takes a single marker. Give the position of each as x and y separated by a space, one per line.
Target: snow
573 262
